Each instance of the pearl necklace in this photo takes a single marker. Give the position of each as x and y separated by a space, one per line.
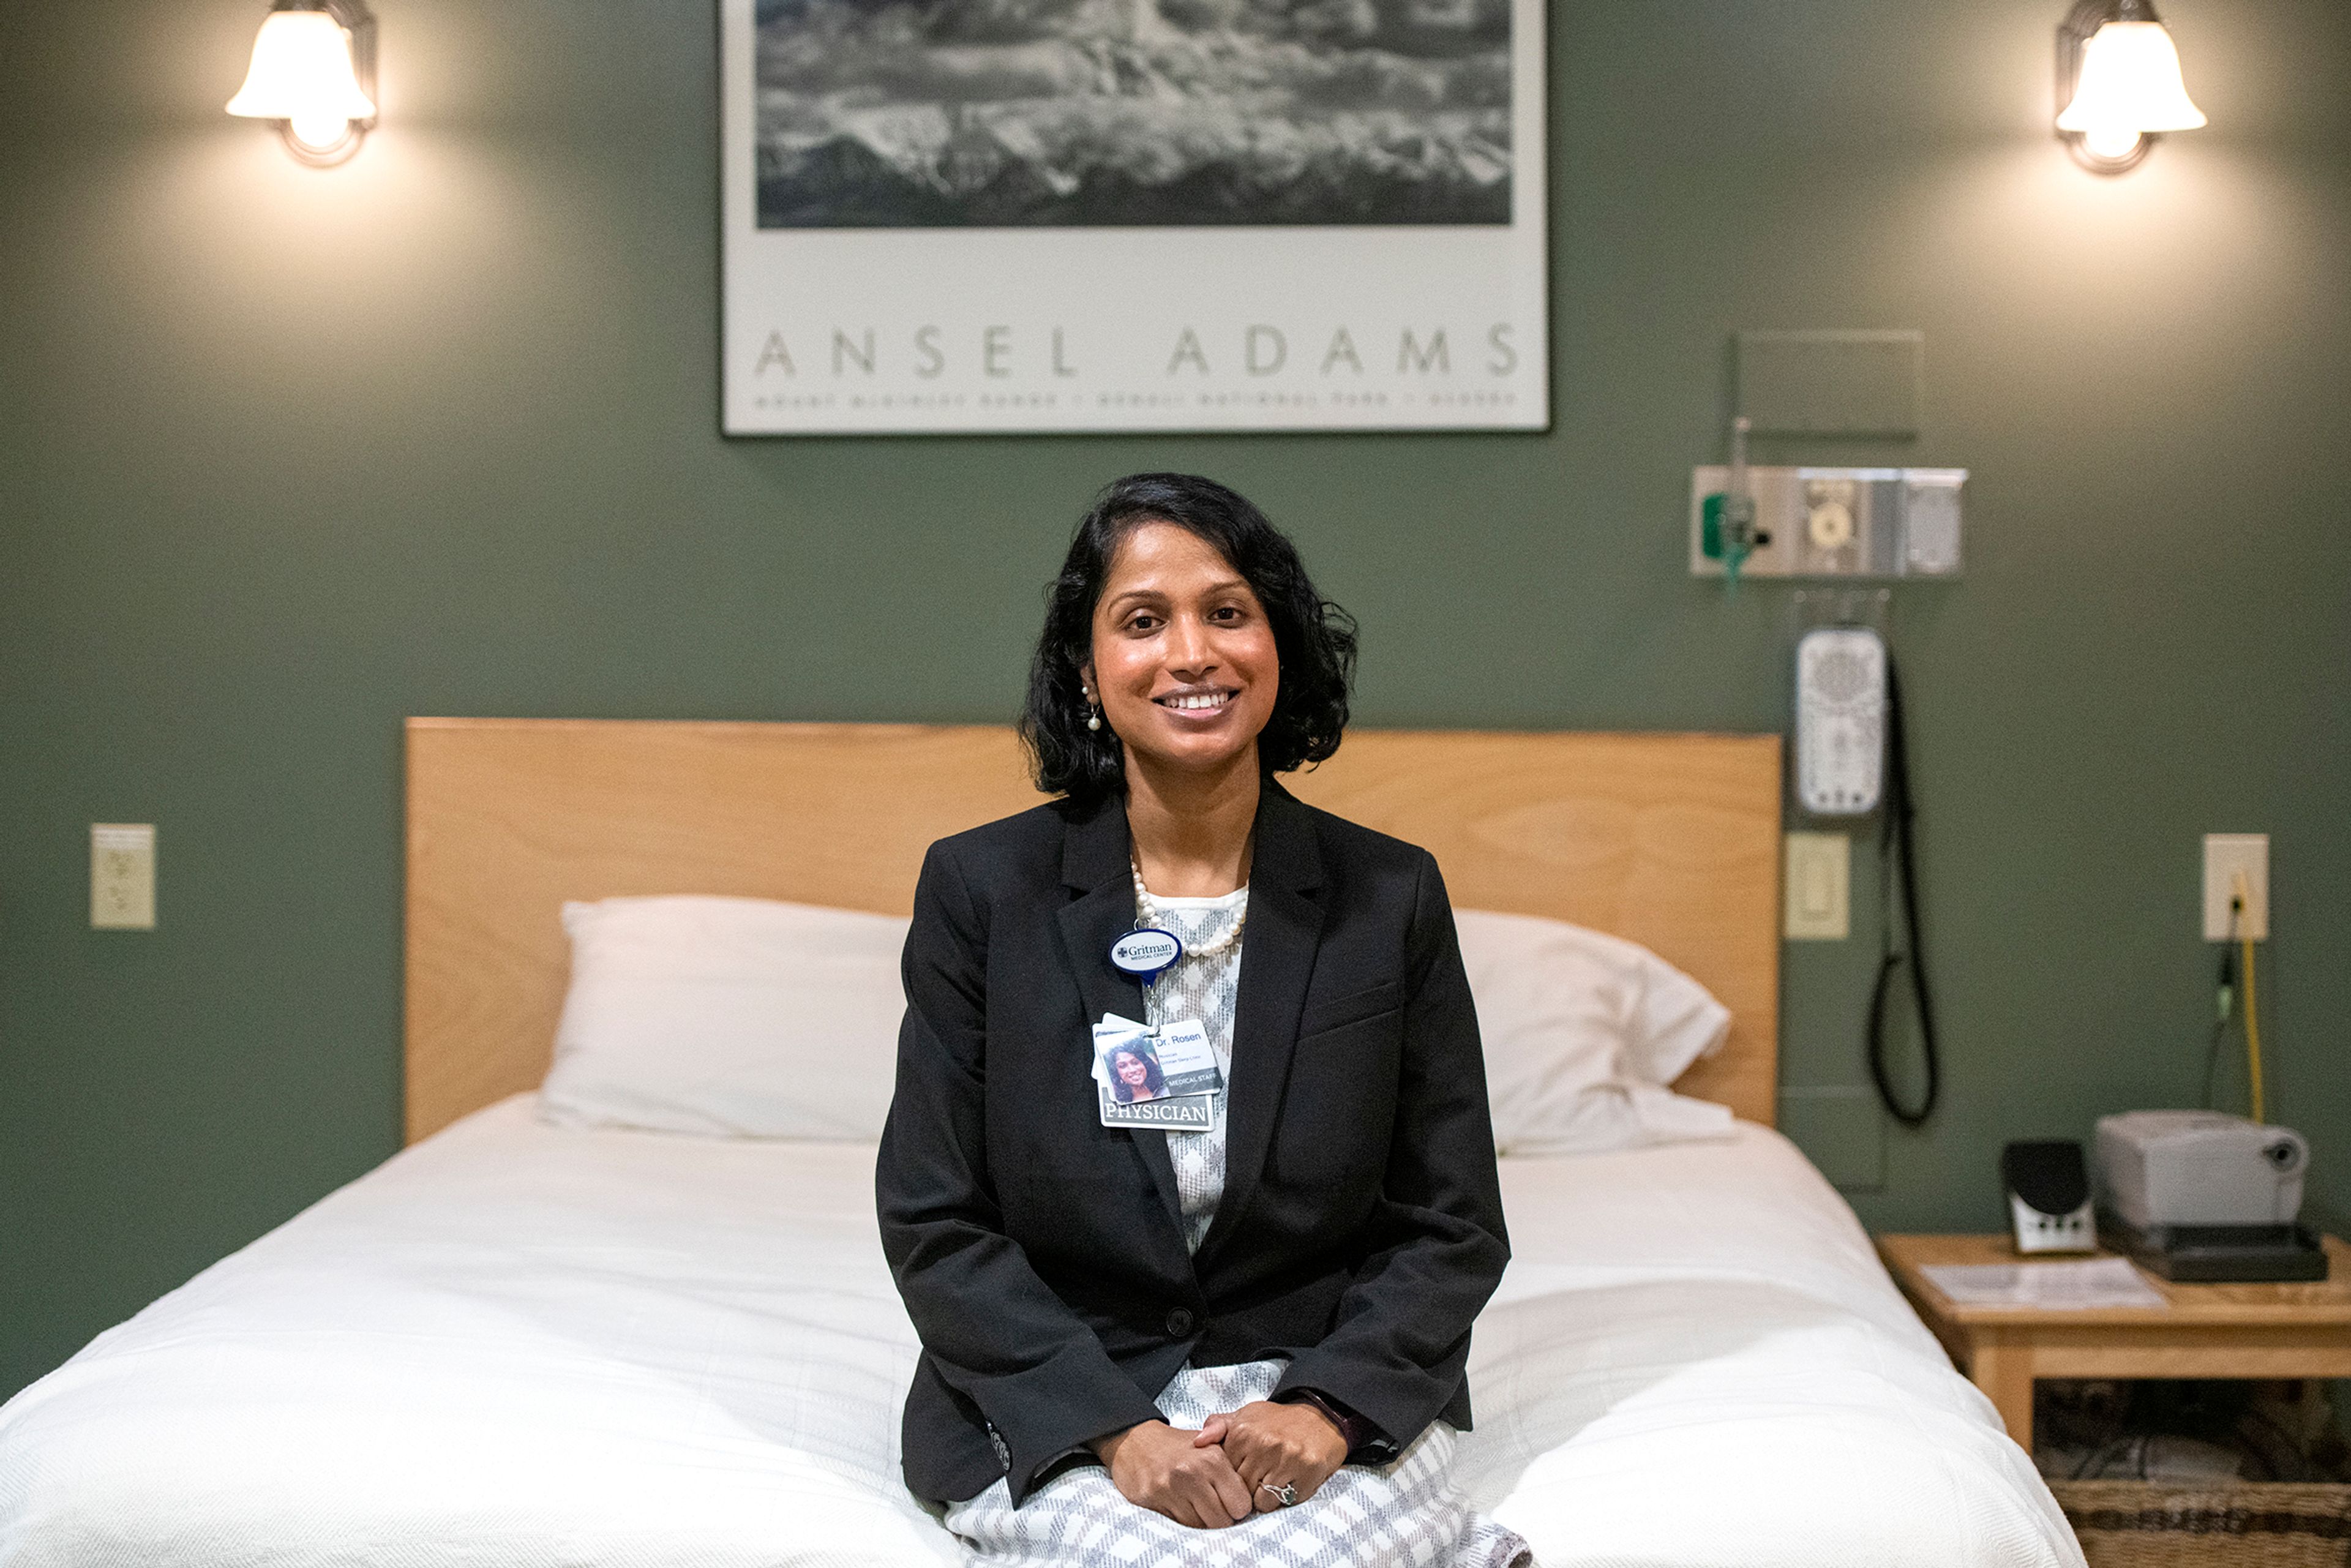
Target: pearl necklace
1149 913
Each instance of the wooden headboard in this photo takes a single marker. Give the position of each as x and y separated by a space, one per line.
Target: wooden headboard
1670 840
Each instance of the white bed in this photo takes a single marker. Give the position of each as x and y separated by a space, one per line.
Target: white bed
516 1344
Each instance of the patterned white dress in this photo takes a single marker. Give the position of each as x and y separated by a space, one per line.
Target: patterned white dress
1405 1513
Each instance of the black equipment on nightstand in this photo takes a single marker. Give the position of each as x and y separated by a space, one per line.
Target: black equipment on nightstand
2049 1207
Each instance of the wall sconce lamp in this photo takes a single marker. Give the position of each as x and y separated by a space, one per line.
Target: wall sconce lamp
313 76
2118 79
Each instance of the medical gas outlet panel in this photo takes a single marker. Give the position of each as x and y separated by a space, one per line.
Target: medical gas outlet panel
1826 522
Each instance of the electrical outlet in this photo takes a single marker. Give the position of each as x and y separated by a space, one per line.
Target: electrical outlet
2225 856
1819 887
122 876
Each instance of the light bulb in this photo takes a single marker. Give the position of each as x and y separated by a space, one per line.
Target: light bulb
2111 141
323 128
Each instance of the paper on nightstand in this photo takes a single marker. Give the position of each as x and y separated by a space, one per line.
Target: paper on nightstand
2080 1285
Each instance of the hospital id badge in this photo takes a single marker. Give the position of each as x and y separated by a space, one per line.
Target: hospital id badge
1166 1078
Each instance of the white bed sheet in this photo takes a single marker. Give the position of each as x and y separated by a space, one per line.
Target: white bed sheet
517 1345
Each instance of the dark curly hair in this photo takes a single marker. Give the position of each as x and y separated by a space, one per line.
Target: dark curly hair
1154 1082
1315 639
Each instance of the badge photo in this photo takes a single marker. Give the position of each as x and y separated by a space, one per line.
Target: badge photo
1134 1073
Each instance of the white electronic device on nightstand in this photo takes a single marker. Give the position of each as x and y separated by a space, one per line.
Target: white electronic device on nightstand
1840 721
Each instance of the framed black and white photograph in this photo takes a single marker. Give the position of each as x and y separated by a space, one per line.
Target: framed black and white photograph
1132 215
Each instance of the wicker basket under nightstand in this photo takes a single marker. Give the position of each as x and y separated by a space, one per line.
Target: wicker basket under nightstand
2143 1524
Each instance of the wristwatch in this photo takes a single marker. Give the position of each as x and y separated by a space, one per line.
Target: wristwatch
1364 1440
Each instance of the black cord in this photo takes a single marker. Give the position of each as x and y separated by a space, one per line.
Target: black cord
1895 839
2212 1059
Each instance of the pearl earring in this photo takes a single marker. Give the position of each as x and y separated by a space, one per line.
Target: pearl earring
1093 719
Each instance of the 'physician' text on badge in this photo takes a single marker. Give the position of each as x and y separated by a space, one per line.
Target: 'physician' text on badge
1187 1114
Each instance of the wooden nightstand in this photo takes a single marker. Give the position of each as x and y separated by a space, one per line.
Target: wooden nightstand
2202 1330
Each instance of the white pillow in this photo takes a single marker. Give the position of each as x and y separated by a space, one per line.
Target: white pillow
1584 1032
741 1016
753 1017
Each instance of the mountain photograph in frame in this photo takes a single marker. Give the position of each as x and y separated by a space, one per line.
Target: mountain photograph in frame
1152 114
1132 215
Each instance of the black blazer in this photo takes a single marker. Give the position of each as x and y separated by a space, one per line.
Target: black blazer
1042 1255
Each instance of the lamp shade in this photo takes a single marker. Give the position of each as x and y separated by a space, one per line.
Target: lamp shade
302 72
2129 85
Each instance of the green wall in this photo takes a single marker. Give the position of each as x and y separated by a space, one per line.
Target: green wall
285 456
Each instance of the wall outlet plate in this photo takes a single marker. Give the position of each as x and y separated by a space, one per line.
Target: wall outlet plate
2225 855
1819 887
122 876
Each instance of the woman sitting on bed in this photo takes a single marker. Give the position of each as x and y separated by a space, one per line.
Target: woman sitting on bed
1254 1314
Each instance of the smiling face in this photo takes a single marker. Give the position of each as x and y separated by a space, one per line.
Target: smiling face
1133 1071
1184 663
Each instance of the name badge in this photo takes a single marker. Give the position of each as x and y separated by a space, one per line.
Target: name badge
1166 1078
1147 953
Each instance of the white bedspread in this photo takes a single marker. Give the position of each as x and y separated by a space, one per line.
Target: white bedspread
513 1346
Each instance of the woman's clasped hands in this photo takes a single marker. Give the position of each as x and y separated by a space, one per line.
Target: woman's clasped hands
1236 1465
